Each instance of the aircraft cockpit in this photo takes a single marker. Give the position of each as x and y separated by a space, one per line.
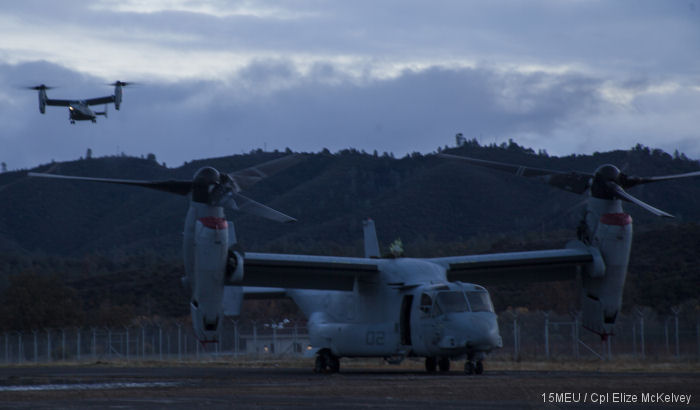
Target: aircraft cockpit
457 298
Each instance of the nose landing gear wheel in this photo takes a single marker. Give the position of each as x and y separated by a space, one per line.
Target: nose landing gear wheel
430 364
471 367
444 364
326 363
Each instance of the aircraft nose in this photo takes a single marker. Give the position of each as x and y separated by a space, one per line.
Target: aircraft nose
483 332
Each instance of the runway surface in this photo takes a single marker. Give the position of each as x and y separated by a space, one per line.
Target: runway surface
223 386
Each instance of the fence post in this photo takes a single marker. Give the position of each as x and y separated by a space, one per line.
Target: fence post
109 342
94 343
160 343
36 347
236 339
255 338
127 342
697 334
77 331
20 347
143 343
676 311
546 335
641 334
179 343
274 348
7 348
668 348
634 338
295 342
63 344
48 345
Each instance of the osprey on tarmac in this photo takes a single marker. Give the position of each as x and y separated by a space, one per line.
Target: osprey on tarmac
397 307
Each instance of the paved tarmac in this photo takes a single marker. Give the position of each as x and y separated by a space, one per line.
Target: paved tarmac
224 386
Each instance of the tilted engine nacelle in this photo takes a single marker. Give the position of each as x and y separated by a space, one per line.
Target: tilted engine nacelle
601 298
209 270
117 95
42 100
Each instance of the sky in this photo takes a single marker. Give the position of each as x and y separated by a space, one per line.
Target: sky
216 78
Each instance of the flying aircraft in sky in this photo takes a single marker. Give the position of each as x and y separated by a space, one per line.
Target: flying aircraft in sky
396 307
79 110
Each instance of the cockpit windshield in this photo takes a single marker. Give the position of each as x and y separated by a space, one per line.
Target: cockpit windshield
480 301
452 301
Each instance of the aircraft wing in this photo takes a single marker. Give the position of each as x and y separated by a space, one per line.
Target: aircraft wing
100 100
517 267
271 270
59 103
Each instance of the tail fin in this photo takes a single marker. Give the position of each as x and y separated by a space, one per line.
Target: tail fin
370 235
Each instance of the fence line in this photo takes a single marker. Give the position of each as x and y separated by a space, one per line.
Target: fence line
530 336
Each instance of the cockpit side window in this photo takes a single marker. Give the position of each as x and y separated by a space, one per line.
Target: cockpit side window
480 301
452 301
426 303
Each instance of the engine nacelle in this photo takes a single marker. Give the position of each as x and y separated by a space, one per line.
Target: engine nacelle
42 100
602 294
117 95
209 268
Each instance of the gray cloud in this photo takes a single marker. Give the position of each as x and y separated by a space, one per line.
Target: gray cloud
393 76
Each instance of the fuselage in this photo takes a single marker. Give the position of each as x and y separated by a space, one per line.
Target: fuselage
80 111
409 310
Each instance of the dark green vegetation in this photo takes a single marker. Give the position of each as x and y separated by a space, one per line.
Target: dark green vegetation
107 254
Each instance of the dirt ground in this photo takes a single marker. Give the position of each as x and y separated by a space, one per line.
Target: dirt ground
268 385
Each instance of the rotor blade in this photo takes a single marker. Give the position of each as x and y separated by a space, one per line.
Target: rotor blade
39 87
245 204
246 178
624 195
172 186
576 182
631 181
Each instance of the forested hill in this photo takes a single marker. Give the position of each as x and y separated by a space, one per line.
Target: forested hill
119 248
422 199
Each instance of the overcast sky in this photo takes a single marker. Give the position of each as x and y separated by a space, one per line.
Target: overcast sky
222 77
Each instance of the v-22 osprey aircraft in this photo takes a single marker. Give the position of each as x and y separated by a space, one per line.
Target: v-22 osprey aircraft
79 110
397 307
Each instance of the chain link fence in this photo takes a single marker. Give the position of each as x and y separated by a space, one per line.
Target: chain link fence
642 334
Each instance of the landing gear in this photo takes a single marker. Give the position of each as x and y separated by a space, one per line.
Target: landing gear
472 367
433 363
444 364
326 362
430 364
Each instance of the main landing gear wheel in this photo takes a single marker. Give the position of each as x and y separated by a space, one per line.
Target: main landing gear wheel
326 362
430 364
471 367
444 364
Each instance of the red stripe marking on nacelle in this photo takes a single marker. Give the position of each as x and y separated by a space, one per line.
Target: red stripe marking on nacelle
214 222
620 219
